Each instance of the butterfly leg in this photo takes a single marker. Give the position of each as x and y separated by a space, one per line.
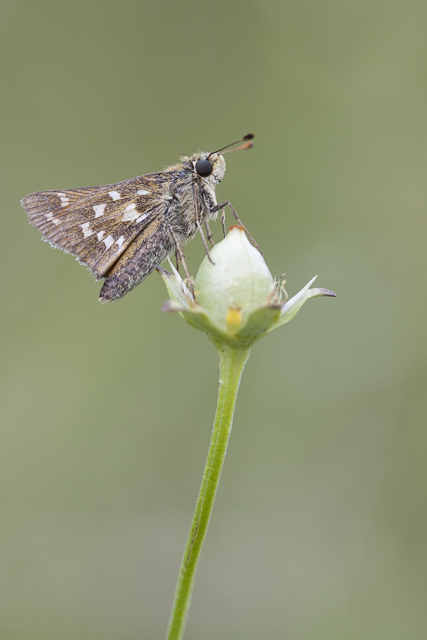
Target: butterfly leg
234 212
209 233
198 225
224 230
178 253
205 244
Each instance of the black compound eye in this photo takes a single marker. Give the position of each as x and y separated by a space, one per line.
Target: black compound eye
204 167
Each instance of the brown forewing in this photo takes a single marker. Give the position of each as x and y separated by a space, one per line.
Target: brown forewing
97 224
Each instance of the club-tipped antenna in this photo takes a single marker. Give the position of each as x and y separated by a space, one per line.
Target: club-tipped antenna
247 145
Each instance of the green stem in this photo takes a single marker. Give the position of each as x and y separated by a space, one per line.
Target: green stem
231 362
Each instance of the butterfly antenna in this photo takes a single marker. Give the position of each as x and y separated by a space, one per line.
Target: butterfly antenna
246 145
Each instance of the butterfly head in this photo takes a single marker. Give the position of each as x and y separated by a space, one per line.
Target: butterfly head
209 166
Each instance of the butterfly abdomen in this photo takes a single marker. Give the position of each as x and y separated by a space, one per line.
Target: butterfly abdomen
147 251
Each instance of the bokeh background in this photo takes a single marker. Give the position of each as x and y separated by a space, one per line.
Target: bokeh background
319 529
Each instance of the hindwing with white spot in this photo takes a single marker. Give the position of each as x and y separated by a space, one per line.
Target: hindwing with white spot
97 224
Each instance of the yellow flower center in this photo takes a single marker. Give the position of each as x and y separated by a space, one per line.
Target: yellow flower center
233 320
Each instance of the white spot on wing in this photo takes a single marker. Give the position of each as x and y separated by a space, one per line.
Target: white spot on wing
49 217
130 213
86 230
143 192
108 242
99 209
64 200
100 235
141 218
120 241
115 195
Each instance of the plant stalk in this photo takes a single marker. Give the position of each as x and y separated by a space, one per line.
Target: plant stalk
232 360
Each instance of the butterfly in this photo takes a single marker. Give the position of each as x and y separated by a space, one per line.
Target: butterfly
123 231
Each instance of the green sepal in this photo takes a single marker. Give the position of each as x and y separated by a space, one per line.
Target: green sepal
259 322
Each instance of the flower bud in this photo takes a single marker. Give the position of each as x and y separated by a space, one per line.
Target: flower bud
235 283
236 300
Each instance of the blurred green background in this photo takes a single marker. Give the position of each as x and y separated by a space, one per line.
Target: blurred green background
319 529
